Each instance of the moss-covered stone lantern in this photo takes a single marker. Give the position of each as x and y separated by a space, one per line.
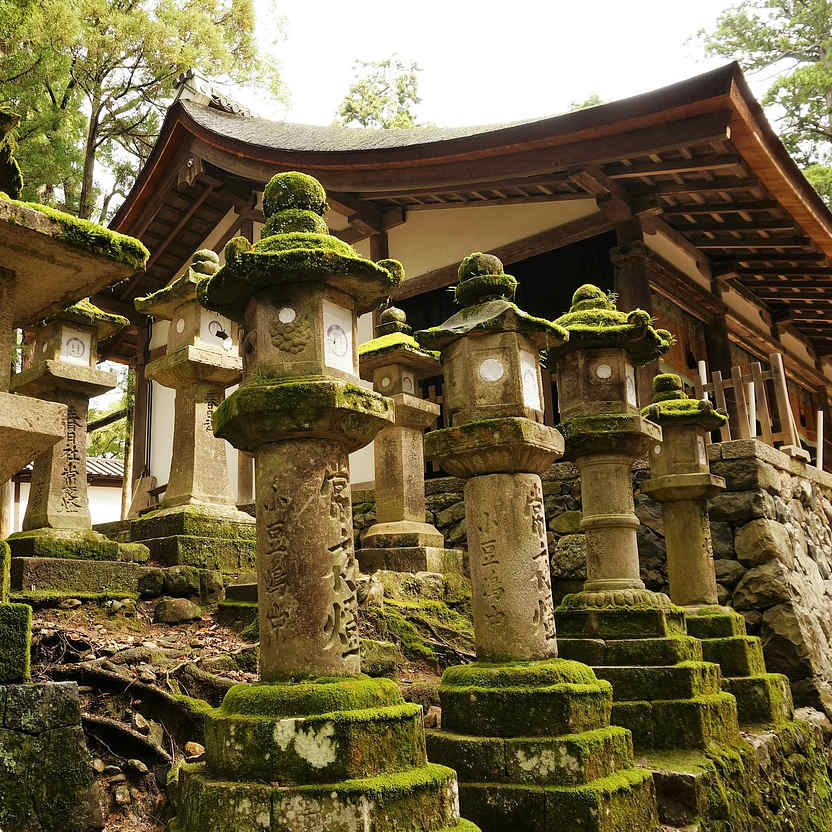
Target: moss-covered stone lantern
603 428
681 480
63 369
315 746
198 523
400 539
517 697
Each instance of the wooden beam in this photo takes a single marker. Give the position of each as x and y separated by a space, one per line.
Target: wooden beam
760 242
675 166
699 186
562 235
696 208
611 198
514 182
379 249
733 225
805 272
511 200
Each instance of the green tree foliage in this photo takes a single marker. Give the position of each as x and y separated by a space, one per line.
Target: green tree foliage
794 39
109 441
91 80
592 100
384 94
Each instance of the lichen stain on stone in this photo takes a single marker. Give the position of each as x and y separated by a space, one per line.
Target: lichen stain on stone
542 764
317 747
339 815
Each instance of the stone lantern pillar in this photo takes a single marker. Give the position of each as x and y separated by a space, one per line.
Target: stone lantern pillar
517 698
400 539
314 721
633 637
198 523
681 480
63 369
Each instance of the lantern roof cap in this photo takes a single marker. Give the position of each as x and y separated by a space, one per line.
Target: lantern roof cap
593 321
86 313
296 247
164 303
672 406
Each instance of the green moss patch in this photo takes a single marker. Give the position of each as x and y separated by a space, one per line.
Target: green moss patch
15 641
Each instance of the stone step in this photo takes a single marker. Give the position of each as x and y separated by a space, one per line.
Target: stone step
736 655
315 749
411 559
625 801
551 710
64 575
635 652
75 544
203 552
679 723
423 798
619 623
570 760
681 681
764 699
715 622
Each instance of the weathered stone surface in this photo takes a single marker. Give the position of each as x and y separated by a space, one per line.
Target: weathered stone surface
747 474
569 557
566 522
34 709
762 540
738 506
65 575
176 611
722 538
15 638
728 572
763 587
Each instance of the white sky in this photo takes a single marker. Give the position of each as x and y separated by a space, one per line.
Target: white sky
486 61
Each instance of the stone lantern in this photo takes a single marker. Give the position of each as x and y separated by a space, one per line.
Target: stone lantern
518 697
681 480
400 539
313 722
198 523
63 369
662 691
603 428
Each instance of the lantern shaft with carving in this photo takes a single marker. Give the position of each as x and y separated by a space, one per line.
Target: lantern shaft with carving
300 411
63 369
198 523
682 481
400 539
517 689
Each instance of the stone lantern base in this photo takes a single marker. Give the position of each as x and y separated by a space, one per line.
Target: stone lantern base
411 559
318 756
533 747
207 537
664 691
762 698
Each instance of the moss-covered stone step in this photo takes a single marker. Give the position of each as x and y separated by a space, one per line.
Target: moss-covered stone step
315 749
236 612
764 699
422 798
223 554
679 723
64 575
544 761
76 544
681 681
195 521
623 802
15 640
619 623
411 559
736 655
523 699
634 652
715 622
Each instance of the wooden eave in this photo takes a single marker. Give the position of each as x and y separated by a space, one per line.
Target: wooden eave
700 153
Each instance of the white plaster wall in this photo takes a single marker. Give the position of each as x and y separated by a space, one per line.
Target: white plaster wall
432 239
105 504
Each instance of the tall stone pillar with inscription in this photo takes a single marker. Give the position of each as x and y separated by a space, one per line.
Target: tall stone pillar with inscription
634 638
198 523
400 539
516 723
339 750
63 369
681 480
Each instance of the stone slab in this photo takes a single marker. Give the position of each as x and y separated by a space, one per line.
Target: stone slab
28 427
15 640
61 574
223 554
764 699
682 681
197 521
411 559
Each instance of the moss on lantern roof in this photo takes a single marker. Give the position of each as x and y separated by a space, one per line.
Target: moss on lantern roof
86 313
391 341
593 321
672 406
299 250
485 294
162 303
90 237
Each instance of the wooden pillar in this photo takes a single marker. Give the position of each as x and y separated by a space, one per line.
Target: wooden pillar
140 413
379 249
717 344
631 258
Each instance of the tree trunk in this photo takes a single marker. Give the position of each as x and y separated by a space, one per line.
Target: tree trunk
86 203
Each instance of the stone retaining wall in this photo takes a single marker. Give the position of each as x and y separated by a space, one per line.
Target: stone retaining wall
772 536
